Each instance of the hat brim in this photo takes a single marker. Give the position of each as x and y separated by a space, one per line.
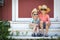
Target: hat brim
45 6
47 10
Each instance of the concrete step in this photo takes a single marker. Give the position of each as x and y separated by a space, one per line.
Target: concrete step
24 30
28 32
34 38
25 25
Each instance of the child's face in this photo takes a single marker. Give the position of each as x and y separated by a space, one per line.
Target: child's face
35 16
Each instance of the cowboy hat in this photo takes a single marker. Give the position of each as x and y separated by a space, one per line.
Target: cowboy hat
44 7
34 10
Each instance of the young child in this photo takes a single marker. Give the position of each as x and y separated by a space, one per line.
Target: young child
44 18
35 22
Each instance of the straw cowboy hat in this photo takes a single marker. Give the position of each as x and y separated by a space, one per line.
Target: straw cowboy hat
34 10
44 7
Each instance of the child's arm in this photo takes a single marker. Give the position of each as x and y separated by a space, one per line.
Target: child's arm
32 25
48 18
48 10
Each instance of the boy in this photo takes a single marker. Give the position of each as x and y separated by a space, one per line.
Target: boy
35 22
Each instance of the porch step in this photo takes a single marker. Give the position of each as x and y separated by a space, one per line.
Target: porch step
34 38
25 25
28 32
23 28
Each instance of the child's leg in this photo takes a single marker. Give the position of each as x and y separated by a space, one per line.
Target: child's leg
38 30
34 29
41 26
47 26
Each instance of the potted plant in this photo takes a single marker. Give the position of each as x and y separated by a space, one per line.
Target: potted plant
4 26
17 33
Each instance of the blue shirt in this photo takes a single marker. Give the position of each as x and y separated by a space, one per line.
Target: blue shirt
36 21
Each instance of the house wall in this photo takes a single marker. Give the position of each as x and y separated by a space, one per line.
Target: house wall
6 10
0 12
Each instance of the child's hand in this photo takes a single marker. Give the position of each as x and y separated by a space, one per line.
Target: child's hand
39 7
48 10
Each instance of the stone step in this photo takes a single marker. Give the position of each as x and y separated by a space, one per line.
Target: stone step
28 32
24 27
34 38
